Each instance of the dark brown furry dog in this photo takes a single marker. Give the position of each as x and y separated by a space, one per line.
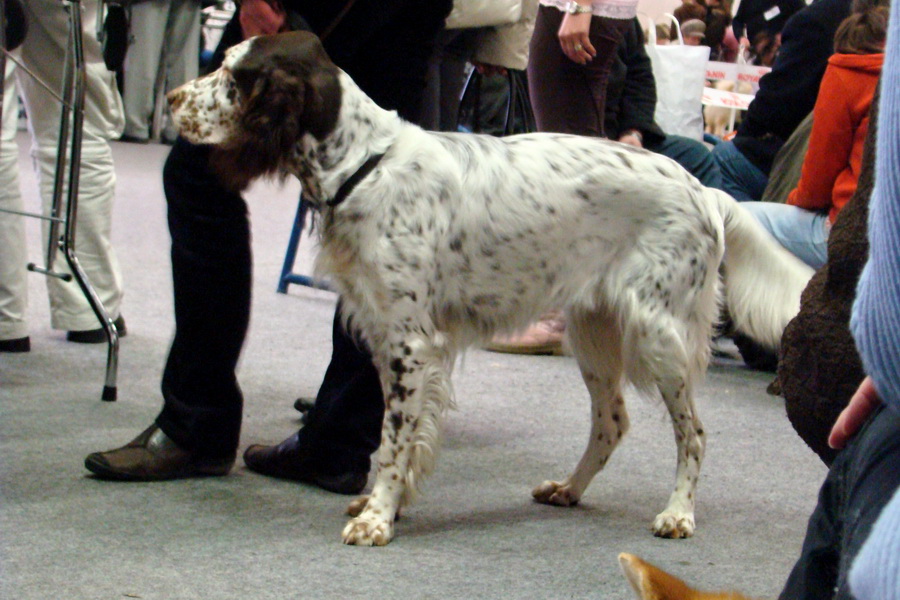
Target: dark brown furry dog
820 367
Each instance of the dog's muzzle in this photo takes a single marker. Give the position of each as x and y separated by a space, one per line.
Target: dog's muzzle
205 109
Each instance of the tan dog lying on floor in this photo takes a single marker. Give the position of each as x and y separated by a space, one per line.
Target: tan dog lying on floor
717 119
652 583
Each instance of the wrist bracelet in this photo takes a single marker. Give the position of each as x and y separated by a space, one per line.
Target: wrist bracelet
573 8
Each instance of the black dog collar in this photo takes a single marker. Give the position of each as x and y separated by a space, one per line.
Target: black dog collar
354 180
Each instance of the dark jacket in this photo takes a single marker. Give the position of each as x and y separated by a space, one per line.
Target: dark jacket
384 45
763 15
788 93
631 90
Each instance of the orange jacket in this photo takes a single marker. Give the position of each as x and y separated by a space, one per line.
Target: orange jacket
840 121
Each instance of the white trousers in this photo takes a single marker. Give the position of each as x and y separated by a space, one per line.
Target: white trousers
13 284
165 35
43 53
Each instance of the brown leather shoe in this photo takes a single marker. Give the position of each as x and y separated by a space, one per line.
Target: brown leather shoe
288 461
153 456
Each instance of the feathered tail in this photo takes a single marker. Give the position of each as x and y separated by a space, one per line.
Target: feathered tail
763 281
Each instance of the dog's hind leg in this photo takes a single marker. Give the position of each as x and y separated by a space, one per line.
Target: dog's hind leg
596 343
416 381
670 352
677 521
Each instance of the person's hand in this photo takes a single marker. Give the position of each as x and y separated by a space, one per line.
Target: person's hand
488 69
864 401
574 39
262 17
632 138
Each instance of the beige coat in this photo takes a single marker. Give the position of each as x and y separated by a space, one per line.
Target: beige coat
503 43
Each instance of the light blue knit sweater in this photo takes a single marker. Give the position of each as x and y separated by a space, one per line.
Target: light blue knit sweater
875 574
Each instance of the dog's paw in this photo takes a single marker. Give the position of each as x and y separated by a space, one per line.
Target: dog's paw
357 506
669 524
364 531
553 492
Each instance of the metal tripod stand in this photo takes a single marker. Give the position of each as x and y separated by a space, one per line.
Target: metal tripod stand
63 213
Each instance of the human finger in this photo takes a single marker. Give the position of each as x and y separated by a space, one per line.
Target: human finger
864 401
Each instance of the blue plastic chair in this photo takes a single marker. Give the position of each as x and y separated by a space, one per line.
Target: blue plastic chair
287 269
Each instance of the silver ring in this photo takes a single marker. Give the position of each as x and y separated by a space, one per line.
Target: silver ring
578 47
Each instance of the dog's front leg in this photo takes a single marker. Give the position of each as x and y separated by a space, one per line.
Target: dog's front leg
416 390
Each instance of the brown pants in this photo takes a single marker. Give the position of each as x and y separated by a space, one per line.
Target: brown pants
568 97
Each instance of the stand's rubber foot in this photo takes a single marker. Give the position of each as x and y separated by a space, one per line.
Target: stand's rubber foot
109 394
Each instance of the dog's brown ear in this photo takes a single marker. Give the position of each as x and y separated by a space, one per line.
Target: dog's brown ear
266 132
287 103
284 96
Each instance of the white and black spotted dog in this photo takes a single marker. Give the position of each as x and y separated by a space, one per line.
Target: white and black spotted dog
436 242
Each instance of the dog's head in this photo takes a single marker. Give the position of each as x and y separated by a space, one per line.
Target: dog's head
268 94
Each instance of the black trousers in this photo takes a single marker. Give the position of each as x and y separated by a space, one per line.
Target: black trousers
861 481
212 273
212 266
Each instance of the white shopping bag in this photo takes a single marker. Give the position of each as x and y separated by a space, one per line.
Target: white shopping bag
483 13
680 73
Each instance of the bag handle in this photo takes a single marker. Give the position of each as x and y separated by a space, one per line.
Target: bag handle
677 25
651 29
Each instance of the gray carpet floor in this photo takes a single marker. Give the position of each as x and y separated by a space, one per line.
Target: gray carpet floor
475 533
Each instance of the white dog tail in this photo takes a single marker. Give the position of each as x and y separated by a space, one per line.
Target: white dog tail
763 281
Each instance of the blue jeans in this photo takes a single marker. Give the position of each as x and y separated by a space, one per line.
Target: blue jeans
693 156
861 481
804 233
740 178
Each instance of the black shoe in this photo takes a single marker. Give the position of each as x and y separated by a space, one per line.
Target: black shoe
96 336
755 355
16 345
288 461
131 139
303 406
153 456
